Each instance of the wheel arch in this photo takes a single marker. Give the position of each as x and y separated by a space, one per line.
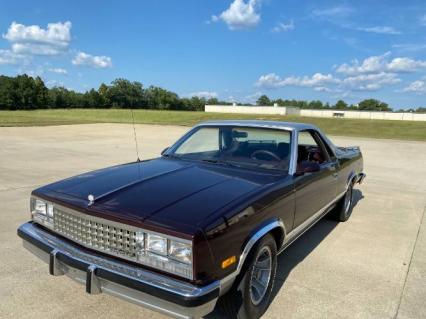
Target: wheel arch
351 179
275 227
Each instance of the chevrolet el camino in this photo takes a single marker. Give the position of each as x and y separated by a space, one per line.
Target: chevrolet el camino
202 225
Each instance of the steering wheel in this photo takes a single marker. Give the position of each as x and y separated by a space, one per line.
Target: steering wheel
268 153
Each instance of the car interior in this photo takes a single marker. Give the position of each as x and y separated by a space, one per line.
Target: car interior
237 144
264 148
310 152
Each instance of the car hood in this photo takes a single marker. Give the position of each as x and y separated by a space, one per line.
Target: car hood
164 192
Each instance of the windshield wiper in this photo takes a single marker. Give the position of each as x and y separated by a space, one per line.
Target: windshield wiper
211 160
220 162
171 156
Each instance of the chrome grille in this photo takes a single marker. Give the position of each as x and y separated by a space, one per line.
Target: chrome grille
96 233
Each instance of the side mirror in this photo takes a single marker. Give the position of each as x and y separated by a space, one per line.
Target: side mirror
307 167
164 151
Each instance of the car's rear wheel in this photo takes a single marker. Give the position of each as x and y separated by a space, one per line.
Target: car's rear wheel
251 293
343 209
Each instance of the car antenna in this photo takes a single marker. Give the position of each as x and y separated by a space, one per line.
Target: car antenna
136 143
136 139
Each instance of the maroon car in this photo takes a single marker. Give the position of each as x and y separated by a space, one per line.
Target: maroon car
200 226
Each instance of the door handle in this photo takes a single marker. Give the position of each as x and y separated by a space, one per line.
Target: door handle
333 169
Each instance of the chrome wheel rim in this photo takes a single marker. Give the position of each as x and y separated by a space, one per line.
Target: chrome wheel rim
261 275
348 200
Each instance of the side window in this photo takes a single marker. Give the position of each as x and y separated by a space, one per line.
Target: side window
306 138
326 147
311 148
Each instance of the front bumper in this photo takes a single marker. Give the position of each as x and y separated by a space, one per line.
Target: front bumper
103 274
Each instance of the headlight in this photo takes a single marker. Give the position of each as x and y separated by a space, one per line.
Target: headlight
157 244
180 251
42 212
166 253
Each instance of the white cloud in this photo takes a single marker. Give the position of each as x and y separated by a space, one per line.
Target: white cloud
337 11
284 27
272 80
204 94
35 40
58 70
416 87
370 82
95 61
371 74
323 89
240 15
381 63
380 30
9 57
328 83
405 65
368 65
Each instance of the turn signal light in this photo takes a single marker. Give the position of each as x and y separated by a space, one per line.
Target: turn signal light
228 262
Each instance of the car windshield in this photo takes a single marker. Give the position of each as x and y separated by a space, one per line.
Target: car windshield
245 147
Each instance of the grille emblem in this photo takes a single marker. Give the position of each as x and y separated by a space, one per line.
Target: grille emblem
91 199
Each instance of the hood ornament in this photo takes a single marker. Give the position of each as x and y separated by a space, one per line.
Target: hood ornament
91 199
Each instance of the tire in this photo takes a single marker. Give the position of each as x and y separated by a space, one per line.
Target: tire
246 299
343 209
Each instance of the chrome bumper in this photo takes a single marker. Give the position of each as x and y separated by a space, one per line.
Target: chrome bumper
103 274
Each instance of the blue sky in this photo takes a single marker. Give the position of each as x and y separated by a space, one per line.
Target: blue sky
235 50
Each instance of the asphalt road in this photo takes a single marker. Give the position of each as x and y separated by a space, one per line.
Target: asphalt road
373 266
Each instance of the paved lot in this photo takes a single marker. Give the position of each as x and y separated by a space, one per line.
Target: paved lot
374 266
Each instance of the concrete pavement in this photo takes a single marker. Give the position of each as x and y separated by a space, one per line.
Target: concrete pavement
373 266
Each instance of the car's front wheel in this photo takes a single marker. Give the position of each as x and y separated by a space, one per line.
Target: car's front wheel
250 295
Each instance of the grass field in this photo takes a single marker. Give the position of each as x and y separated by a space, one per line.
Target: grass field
404 130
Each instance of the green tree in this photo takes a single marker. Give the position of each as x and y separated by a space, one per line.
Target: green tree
263 100
315 105
212 101
123 93
373 105
341 105
159 98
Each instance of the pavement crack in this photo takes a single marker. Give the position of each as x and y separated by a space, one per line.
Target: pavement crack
409 264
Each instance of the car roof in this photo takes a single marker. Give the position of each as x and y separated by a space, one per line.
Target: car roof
292 126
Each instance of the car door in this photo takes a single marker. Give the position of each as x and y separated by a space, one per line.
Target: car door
316 190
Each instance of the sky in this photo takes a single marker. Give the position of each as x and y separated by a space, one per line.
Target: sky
235 50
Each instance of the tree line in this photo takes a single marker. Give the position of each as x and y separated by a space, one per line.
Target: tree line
365 105
24 92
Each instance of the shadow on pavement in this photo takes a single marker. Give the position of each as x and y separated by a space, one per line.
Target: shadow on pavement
299 250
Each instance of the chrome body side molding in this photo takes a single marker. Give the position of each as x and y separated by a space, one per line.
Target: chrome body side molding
299 230
289 238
